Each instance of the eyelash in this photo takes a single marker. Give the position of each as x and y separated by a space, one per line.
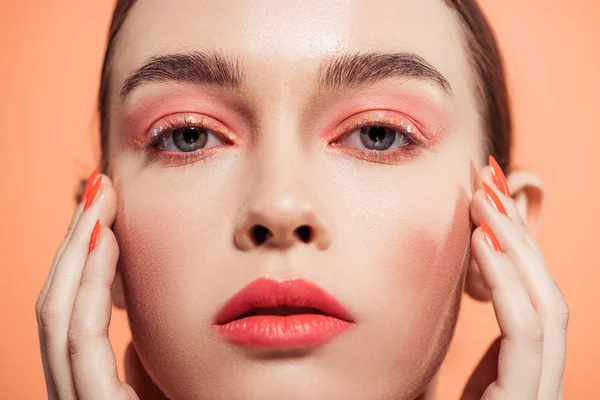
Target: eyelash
403 127
168 125
165 128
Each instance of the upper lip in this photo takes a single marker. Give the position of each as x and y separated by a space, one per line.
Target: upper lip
269 293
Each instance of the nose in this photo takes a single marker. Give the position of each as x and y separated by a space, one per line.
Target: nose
280 221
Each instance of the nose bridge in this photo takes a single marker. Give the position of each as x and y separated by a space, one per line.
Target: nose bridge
282 163
281 209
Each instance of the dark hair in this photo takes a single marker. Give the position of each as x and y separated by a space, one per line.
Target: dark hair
482 48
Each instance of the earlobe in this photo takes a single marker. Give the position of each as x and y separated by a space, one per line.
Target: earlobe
118 298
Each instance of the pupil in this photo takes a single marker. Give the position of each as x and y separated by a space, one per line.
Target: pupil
377 133
190 138
190 135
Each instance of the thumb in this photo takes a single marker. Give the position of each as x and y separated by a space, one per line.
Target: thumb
484 374
137 377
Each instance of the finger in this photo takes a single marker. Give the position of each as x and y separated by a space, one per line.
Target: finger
521 349
511 208
512 238
55 312
543 291
61 249
560 392
50 386
92 358
67 238
520 246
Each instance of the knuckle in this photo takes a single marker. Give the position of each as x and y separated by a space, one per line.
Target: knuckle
88 280
39 303
74 345
81 330
531 329
561 314
511 276
48 318
75 339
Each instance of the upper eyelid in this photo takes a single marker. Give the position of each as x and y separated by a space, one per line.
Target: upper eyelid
171 122
397 122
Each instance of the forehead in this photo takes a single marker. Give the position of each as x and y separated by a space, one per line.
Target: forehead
288 38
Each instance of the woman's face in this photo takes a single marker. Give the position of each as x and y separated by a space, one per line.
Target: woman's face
357 119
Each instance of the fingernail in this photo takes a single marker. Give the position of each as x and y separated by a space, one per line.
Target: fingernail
490 238
94 237
93 192
498 176
493 199
89 183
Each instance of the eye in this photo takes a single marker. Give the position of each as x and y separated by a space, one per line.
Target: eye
377 138
188 139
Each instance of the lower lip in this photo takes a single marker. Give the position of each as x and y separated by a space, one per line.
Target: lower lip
276 331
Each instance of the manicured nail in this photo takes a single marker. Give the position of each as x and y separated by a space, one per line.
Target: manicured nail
490 238
94 237
89 183
498 176
93 192
493 199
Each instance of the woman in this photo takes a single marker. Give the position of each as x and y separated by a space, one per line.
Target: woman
293 197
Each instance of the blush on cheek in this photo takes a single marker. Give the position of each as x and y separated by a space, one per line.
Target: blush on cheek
146 230
164 263
435 278
162 324
442 239
139 265
405 272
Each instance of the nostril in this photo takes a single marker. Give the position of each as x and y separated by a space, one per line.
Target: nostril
260 234
304 232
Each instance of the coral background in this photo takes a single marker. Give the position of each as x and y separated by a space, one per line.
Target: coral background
49 75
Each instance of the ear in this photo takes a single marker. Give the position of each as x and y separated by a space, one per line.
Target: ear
527 190
116 291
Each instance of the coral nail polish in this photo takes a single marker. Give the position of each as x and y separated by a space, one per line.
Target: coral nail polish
493 199
498 176
94 237
93 192
490 238
89 183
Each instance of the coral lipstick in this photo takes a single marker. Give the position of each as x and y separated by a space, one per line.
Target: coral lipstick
289 314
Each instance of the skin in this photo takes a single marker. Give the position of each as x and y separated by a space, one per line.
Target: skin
394 238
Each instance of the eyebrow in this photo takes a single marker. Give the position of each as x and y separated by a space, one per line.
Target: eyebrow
334 73
360 68
194 67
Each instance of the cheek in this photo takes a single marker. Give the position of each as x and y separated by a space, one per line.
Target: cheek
433 267
418 256
410 237
406 258
162 230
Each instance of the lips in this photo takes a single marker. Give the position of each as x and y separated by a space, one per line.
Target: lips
291 313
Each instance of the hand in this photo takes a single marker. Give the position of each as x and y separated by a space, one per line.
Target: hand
527 360
74 307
